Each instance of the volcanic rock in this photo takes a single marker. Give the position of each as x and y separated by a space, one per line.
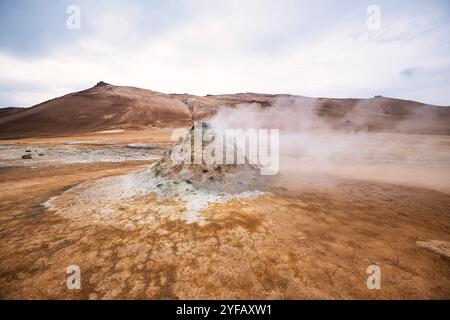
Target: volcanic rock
232 178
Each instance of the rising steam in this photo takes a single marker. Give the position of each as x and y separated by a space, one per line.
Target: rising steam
319 146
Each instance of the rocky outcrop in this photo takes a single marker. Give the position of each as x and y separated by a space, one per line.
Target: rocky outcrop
213 176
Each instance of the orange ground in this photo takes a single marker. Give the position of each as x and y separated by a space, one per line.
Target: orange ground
308 239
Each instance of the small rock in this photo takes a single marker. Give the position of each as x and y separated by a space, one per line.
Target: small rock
27 156
441 248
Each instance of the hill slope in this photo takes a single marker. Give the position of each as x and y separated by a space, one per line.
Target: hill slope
105 107
99 108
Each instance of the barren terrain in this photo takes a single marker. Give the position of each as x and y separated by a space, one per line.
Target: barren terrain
108 107
311 233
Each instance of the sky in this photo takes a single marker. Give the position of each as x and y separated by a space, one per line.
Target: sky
321 48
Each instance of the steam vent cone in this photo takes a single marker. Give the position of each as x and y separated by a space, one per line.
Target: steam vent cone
179 164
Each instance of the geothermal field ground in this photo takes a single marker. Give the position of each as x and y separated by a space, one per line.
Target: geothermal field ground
240 158
90 200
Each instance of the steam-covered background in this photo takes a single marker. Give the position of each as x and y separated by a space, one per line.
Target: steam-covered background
314 150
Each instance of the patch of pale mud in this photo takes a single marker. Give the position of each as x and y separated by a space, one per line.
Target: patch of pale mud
141 146
77 142
110 131
73 154
196 203
115 200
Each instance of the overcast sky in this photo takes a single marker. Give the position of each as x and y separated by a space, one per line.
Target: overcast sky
320 48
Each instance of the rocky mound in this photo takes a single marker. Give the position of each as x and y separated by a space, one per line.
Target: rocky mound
182 191
206 175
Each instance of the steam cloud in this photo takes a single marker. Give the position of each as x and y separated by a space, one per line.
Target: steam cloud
314 146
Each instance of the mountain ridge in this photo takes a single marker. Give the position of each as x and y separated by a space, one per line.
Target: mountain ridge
106 106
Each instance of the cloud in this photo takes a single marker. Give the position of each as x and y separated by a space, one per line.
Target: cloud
320 48
409 72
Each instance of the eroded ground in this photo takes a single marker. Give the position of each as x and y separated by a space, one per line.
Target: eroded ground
305 238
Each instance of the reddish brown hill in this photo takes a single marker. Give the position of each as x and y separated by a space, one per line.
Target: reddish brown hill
99 108
105 107
9 111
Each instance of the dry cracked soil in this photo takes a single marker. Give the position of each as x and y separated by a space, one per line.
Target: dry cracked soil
303 239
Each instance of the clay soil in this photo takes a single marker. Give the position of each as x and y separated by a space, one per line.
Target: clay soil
307 239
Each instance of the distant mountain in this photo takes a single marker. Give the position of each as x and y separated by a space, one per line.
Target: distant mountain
102 107
8 111
106 106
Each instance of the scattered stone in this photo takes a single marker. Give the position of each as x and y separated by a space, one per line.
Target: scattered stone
27 150
27 156
442 248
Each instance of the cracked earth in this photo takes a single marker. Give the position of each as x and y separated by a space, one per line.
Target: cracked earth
294 241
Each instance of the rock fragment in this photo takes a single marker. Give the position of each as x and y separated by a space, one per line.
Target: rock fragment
442 248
